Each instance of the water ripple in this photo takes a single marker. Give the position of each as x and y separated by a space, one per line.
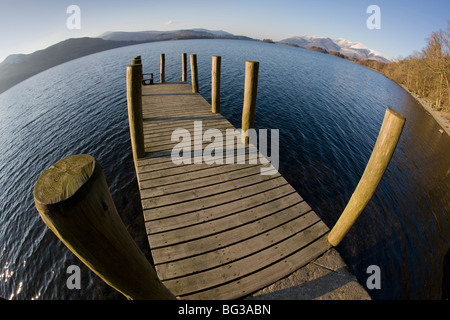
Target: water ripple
328 110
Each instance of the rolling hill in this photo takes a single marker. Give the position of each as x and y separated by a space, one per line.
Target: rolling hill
18 67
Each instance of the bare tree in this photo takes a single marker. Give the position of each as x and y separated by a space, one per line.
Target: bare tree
426 73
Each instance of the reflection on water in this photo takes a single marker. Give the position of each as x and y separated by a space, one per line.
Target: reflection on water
328 110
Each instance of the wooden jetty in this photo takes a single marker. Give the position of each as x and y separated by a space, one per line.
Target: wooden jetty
216 229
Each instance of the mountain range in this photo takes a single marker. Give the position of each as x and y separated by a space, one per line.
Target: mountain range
346 47
18 67
149 36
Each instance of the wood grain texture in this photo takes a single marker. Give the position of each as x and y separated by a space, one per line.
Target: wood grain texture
194 73
215 84
217 231
384 148
134 102
73 200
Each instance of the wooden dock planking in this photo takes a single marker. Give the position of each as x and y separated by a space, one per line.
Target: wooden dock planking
216 231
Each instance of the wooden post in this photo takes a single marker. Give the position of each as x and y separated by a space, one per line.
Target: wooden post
194 75
73 199
387 140
250 91
183 67
215 84
162 69
136 60
134 99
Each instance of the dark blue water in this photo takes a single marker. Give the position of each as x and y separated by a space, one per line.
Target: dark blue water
328 110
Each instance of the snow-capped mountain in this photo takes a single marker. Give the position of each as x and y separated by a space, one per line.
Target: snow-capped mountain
346 47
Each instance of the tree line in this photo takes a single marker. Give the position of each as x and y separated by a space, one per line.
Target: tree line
425 72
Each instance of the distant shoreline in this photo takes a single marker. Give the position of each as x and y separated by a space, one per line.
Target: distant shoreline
441 117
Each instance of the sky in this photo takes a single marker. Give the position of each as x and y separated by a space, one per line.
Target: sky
30 25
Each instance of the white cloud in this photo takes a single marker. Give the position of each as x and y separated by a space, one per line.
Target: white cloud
168 22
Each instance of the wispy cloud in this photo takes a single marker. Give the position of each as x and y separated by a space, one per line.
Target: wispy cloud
168 22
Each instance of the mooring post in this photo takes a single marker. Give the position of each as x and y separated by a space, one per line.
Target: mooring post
194 75
162 68
74 201
183 67
385 145
134 99
215 84
250 92
136 60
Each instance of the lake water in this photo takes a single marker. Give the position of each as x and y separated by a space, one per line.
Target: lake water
328 110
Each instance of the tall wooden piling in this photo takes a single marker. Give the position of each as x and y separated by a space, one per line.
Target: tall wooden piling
215 84
387 140
250 92
136 60
194 74
73 199
183 67
162 68
134 100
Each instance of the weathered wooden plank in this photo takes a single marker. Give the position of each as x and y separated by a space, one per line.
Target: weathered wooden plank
223 239
237 250
173 184
152 133
166 138
221 187
174 118
190 176
212 201
242 267
167 88
228 222
265 276
216 231
148 161
216 212
148 166
168 145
